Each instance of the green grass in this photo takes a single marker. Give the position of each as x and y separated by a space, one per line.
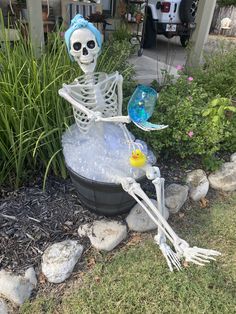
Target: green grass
136 279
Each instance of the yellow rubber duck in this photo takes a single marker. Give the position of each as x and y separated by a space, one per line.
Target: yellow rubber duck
137 159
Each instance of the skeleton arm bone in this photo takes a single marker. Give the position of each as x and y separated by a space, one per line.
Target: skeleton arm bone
93 115
63 93
120 93
120 118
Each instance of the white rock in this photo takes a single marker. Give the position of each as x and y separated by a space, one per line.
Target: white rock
59 259
175 196
225 178
138 220
31 276
15 288
3 307
198 184
233 157
103 234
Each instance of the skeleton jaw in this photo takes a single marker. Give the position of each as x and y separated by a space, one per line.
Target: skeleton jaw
87 65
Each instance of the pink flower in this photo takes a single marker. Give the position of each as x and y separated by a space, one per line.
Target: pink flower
190 133
62 34
190 78
179 67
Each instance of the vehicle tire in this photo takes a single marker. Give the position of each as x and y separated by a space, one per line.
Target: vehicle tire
140 52
150 33
168 35
184 40
188 10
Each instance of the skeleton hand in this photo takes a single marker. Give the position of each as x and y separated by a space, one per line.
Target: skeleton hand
194 254
96 116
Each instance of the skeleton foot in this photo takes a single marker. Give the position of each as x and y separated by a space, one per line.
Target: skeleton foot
170 256
200 256
197 255
183 250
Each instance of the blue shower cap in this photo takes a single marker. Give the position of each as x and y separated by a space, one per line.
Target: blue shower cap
79 22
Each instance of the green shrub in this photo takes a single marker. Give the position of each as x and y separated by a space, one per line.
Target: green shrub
180 106
121 33
196 128
32 114
217 76
221 113
223 3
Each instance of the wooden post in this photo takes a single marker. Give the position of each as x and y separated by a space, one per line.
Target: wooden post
204 16
34 8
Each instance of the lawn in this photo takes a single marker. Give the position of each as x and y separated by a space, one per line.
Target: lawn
136 279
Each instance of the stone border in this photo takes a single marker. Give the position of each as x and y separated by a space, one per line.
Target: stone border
59 259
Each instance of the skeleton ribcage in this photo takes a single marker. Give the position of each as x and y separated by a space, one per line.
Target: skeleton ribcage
96 92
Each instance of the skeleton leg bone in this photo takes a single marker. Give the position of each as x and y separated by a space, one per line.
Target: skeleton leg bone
172 259
191 254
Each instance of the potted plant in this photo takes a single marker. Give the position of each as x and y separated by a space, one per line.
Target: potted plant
138 17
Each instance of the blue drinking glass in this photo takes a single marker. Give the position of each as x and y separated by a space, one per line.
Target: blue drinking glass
141 106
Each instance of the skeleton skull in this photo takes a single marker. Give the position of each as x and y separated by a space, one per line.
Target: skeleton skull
84 49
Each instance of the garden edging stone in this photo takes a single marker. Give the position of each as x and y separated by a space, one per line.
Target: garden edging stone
198 184
233 157
175 197
103 234
59 259
225 178
139 221
3 307
17 289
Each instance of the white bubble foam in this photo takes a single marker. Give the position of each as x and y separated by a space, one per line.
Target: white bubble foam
101 158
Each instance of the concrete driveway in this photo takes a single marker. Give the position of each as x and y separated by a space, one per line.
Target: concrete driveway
155 62
168 51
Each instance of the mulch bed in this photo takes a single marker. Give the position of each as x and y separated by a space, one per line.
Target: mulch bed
32 219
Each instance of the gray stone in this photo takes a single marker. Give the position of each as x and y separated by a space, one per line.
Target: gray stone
59 259
198 184
138 220
103 234
225 178
31 276
175 197
15 288
3 307
233 157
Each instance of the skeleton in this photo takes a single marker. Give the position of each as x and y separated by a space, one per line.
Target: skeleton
97 97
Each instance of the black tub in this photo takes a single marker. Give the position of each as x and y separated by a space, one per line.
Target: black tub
103 198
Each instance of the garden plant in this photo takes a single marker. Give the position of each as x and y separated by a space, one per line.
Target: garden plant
198 106
32 116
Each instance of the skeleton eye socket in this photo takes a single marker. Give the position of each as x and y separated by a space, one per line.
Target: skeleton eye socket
77 46
91 44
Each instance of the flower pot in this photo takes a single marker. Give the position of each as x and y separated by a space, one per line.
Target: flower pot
138 18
